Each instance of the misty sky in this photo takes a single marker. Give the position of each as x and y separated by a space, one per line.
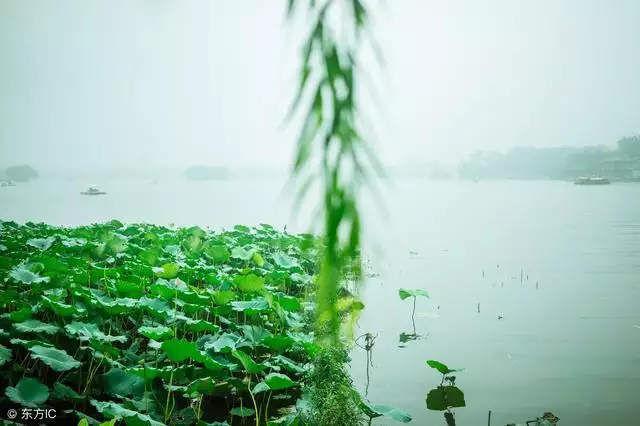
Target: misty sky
172 83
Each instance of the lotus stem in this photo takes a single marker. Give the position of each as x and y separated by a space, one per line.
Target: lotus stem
255 406
266 410
413 315
166 406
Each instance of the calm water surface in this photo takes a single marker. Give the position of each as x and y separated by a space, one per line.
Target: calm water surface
571 345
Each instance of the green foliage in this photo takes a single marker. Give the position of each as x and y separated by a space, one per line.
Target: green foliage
28 392
406 293
328 76
445 396
152 328
441 367
376 410
332 400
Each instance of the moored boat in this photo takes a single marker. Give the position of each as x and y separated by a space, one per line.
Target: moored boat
592 181
93 190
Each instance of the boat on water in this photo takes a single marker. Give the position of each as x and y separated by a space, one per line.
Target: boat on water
592 181
93 190
7 183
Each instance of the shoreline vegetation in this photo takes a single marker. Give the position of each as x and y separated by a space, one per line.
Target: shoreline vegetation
619 163
162 325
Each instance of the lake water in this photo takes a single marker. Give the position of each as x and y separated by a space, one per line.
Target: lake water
570 344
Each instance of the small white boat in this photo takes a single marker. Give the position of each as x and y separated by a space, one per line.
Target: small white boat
93 190
592 181
7 183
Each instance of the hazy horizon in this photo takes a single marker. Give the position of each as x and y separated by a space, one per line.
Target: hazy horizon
171 84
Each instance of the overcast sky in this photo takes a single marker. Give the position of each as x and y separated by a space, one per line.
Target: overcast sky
161 83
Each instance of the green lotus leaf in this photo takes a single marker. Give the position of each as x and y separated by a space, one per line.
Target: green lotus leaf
250 366
35 326
5 355
41 243
249 283
179 350
159 332
29 392
55 358
405 293
25 276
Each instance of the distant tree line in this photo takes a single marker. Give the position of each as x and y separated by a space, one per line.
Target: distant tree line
619 163
22 173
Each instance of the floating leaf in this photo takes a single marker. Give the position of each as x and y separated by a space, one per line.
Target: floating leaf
29 392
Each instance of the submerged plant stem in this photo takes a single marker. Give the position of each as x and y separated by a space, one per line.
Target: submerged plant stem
413 315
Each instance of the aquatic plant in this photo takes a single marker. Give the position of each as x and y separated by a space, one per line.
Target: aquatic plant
156 325
446 395
547 419
405 294
369 342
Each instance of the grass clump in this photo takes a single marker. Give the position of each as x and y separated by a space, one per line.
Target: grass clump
330 393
